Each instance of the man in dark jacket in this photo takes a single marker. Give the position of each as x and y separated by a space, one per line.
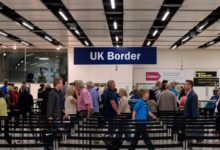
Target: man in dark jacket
191 109
45 95
54 101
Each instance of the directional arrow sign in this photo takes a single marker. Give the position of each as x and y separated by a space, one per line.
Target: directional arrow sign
152 76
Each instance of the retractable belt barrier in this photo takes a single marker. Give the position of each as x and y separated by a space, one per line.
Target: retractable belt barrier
93 133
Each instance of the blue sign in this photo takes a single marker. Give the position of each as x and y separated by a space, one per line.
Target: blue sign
125 55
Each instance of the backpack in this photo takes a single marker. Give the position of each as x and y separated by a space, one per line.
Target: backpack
14 96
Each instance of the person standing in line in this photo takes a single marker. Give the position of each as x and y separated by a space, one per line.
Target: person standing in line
152 102
191 109
141 116
182 98
167 100
4 113
173 89
111 110
25 101
45 95
4 87
123 102
54 101
157 88
70 102
70 105
110 101
84 104
40 90
95 97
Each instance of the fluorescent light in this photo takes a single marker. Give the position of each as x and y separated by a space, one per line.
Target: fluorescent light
117 45
165 15
148 43
3 46
44 58
116 38
155 32
210 43
25 43
77 32
48 38
186 38
27 25
113 4
174 47
202 26
3 33
86 43
63 15
115 25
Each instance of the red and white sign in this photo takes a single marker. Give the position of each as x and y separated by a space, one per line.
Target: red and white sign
152 76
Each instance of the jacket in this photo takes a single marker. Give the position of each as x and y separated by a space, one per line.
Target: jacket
191 109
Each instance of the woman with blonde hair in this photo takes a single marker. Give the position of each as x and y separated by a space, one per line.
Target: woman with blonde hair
70 101
123 103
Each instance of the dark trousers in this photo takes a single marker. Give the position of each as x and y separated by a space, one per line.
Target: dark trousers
141 133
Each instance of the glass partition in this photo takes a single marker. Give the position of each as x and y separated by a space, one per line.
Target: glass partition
35 66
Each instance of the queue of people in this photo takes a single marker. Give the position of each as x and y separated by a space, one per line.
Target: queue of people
77 99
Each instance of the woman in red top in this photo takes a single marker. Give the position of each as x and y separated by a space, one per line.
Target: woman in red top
182 98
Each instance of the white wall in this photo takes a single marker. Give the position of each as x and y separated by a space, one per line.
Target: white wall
100 73
191 61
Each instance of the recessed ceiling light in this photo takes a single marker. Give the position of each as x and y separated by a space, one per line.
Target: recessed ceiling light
174 47
116 38
117 45
77 32
3 33
25 43
113 4
210 43
202 26
115 25
48 38
86 43
155 32
186 38
22 61
148 43
4 54
63 15
58 48
19 64
27 25
165 15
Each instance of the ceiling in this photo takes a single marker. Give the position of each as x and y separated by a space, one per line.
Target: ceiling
91 19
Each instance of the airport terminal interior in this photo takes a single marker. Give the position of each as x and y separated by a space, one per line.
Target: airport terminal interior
109 74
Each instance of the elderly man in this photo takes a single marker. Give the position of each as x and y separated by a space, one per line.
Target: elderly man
95 96
167 100
84 104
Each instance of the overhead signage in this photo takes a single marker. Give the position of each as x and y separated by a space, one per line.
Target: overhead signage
125 55
152 76
206 74
206 81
